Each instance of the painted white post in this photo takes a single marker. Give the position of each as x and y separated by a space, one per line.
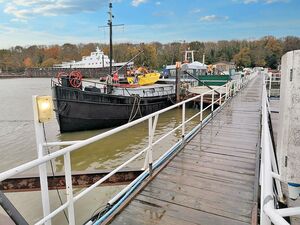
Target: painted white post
270 85
201 108
183 121
69 188
226 91
220 99
212 100
151 131
40 138
146 163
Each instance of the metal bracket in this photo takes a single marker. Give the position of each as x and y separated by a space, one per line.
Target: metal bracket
285 161
291 74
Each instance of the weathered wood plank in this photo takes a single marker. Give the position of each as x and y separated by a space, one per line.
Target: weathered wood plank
218 147
211 204
204 187
173 171
195 163
225 152
216 158
186 213
214 171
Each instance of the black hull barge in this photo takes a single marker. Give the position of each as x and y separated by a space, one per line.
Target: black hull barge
92 107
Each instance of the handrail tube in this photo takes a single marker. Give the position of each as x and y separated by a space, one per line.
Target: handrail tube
275 215
293 211
85 191
276 176
207 107
52 214
56 143
193 117
167 134
275 218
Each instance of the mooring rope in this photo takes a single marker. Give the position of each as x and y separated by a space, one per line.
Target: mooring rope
136 104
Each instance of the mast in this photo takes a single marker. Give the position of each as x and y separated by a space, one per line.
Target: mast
110 37
110 26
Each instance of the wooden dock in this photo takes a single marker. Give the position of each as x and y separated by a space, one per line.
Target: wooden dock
213 179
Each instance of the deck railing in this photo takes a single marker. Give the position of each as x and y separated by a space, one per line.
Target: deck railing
269 174
218 96
273 84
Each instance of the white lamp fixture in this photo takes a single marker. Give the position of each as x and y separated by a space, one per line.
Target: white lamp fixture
45 108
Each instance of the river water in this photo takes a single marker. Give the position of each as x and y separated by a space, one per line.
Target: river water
17 146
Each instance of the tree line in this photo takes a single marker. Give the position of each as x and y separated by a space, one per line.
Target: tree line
265 52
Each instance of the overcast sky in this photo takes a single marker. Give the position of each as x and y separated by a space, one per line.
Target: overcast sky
28 22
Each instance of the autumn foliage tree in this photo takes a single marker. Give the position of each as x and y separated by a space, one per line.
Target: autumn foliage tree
49 62
243 58
27 62
52 52
266 51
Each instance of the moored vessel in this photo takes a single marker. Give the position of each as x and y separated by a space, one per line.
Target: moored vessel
86 105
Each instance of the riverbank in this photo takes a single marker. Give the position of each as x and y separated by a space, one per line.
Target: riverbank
12 75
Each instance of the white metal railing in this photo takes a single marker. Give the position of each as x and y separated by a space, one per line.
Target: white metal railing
269 172
273 84
231 88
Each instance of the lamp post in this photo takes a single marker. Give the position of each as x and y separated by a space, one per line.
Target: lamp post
42 112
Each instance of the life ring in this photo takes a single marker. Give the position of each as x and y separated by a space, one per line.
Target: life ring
59 75
75 79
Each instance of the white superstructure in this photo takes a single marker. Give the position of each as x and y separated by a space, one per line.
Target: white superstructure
97 59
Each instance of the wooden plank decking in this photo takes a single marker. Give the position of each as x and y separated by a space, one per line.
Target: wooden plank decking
212 179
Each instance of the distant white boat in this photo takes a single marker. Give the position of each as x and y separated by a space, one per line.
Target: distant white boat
189 65
97 59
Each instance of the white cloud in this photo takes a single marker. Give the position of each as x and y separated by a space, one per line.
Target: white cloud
250 1
213 17
25 9
157 3
12 36
195 11
136 3
260 1
274 1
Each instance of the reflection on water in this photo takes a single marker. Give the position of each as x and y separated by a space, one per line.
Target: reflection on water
17 145
116 149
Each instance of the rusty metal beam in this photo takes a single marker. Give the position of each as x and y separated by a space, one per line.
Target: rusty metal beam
79 180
